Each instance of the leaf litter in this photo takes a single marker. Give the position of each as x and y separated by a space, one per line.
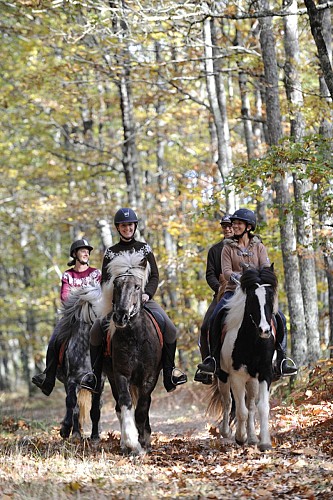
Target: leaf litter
188 457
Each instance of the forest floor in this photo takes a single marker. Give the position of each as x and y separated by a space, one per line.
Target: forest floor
188 458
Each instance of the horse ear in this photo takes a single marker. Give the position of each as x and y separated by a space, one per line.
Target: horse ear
143 263
272 267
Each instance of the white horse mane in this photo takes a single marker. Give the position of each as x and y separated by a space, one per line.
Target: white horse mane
124 263
236 308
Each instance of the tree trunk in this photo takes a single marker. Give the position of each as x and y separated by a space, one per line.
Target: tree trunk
316 23
222 161
302 186
288 246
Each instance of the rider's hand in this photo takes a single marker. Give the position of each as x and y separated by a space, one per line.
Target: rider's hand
145 297
235 277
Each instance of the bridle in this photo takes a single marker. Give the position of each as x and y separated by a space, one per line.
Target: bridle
251 317
136 309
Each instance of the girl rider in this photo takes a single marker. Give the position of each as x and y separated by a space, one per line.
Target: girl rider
244 250
81 275
126 223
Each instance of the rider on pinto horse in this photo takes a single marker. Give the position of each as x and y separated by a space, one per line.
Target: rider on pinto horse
78 276
244 250
126 222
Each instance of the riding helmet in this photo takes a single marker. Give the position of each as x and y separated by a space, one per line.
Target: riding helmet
125 215
245 215
79 244
226 219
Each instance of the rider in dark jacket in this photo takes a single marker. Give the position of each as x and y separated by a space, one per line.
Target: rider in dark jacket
244 250
217 283
126 223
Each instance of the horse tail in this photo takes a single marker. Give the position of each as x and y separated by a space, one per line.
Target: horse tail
134 391
84 403
214 408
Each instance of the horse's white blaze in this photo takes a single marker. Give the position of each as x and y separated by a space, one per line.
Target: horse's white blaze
261 294
129 431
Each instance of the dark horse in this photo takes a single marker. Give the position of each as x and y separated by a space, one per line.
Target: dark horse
135 361
246 358
78 314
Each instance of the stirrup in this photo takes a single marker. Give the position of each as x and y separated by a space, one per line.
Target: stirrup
178 377
86 386
201 366
292 366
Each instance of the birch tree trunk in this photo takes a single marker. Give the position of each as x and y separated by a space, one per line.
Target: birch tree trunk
302 186
288 243
215 103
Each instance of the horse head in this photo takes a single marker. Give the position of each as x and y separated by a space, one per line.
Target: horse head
260 287
129 273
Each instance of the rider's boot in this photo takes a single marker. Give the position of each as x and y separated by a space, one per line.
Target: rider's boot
91 381
283 366
202 377
171 376
46 380
211 365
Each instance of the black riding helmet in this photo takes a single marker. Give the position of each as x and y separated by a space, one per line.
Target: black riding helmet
126 215
226 219
79 244
245 215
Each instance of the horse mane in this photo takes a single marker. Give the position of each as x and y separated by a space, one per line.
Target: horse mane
264 276
249 280
133 263
78 308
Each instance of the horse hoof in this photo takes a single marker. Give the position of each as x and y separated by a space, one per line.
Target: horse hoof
264 447
95 437
65 432
240 443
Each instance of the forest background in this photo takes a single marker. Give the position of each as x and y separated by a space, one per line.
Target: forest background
183 111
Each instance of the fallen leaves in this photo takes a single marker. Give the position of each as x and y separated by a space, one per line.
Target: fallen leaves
36 463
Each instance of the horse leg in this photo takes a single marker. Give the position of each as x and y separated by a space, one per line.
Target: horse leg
225 394
129 432
142 420
238 381
67 423
251 403
263 410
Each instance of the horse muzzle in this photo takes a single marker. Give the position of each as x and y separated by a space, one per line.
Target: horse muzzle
121 319
265 334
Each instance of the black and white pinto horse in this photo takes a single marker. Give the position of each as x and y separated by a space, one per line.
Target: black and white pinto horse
77 316
246 358
136 350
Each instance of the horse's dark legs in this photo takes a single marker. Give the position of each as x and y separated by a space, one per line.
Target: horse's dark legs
71 401
142 420
95 415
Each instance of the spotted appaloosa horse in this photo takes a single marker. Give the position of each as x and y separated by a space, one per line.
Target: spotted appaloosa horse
136 350
78 314
246 358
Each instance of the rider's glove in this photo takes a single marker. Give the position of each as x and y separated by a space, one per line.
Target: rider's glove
145 297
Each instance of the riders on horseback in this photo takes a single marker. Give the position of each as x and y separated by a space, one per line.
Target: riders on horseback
241 252
79 275
217 283
126 222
